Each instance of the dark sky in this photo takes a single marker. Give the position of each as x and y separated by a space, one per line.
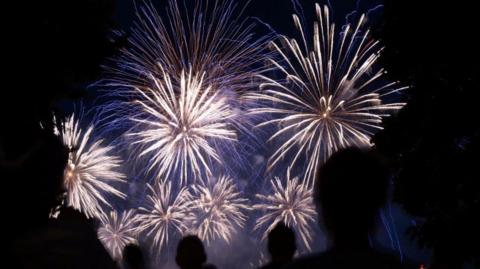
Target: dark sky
276 13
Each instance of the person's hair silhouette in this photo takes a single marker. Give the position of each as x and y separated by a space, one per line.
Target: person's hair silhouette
190 253
281 246
133 257
351 188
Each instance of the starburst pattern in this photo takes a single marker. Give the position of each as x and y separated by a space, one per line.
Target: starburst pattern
90 170
333 96
118 230
181 127
166 213
218 209
291 203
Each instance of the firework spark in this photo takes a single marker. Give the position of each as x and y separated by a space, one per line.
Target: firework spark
332 97
211 42
117 231
181 126
218 209
166 213
90 169
291 204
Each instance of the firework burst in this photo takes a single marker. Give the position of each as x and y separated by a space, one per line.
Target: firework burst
180 126
90 169
166 213
116 231
290 203
210 42
332 97
218 209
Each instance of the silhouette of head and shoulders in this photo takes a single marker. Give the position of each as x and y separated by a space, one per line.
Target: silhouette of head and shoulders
351 187
133 257
191 254
281 246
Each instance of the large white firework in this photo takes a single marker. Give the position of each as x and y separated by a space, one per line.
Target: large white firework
118 230
166 213
180 126
211 42
91 169
218 208
333 95
291 203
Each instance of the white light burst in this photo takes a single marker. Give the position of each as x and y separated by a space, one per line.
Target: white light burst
290 203
218 208
166 213
116 231
90 169
333 96
181 126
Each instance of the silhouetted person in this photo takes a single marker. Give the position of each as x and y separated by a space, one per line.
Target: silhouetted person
191 253
281 246
38 241
133 257
350 190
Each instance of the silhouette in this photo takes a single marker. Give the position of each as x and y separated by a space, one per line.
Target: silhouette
133 257
350 189
281 246
191 254
435 153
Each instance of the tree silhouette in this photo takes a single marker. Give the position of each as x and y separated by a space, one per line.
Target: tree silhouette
434 142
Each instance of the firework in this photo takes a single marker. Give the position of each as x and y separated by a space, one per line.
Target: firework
166 213
218 209
212 44
90 169
117 231
291 204
332 97
181 126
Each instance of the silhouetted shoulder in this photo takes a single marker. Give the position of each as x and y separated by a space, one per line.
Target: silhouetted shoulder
340 260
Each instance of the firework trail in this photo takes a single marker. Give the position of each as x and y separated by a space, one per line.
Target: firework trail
181 126
117 231
90 169
216 48
290 203
218 208
332 96
166 213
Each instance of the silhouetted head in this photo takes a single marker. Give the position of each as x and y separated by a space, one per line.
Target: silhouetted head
281 243
190 253
133 257
351 188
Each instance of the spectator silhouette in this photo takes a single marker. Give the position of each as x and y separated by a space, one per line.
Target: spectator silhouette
39 242
351 188
191 253
281 246
133 257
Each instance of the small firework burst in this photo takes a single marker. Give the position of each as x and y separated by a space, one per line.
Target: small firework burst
116 231
218 208
290 203
166 213
90 169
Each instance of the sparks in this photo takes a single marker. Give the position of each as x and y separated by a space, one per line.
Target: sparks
218 208
333 96
290 203
180 127
116 231
166 213
90 170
